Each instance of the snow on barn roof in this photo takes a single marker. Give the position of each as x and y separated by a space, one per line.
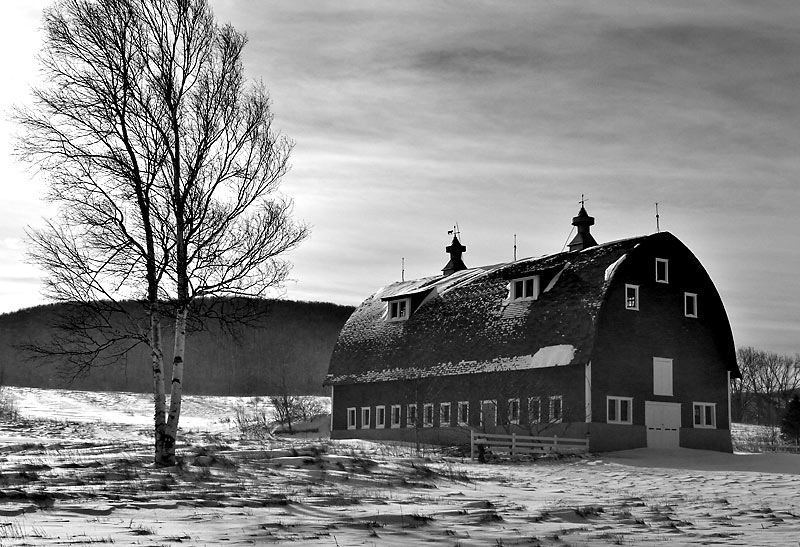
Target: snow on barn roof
465 323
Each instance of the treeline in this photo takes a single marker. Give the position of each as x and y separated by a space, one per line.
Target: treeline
768 383
288 345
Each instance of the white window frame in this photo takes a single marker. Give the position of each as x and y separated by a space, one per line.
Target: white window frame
427 412
617 402
687 296
560 399
526 294
380 417
665 262
366 417
351 417
444 421
395 307
409 421
703 406
399 414
635 305
511 402
483 403
534 418
663 375
463 406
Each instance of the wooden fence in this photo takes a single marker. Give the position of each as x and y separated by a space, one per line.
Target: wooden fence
522 444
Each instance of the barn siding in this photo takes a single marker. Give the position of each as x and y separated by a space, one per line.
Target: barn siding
700 348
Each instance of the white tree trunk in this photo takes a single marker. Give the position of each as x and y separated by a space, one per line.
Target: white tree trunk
159 395
176 393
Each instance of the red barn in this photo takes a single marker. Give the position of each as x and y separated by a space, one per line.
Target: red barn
626 342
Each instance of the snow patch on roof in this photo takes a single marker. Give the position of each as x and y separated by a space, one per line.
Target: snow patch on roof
547 357
613 267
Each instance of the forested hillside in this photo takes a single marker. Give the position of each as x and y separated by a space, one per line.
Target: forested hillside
292 343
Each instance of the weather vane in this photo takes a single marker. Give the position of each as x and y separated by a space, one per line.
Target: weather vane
582 201
454 231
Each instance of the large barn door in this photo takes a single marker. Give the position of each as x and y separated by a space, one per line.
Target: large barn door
489 415
663 421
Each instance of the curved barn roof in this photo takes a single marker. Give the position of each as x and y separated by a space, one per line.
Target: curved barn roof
465 323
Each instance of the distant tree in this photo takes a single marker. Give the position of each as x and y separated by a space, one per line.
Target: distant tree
164 163
768 381
790 423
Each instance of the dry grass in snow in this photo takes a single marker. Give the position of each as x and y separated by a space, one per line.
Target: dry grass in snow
72 481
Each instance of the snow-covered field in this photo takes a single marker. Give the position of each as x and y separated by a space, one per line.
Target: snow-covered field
79 473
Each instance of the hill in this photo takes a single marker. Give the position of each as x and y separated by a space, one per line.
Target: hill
292 343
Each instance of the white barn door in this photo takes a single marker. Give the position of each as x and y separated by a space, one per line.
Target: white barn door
663 422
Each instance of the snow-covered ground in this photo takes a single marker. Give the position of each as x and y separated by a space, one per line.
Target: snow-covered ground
81 475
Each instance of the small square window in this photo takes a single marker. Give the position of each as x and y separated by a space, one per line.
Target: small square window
556 409
705 415
365 417
463 413
534 410
351 418
662 270
411 416
444 415
690 304
513 411
526 288
380 416
427 415
632 297
619 410
398 310
395 416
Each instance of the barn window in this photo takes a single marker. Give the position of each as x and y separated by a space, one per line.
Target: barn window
351 418
632 297
427 415
662 270
463 413
395 416
662 376
556 409
619 410
444 414
526 288
380 416
365 417
513 411
398 310
690 304
411 417
705 415
534 410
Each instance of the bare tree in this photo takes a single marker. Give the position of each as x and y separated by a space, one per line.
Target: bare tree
767 384
165 165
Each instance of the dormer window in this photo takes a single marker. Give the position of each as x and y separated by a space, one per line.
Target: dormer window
399 310
526 288
662 270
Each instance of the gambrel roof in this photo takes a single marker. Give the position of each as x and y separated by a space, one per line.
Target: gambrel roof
465 323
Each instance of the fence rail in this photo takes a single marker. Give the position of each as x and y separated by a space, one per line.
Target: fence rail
523 444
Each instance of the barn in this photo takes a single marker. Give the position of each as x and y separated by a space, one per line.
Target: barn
624 343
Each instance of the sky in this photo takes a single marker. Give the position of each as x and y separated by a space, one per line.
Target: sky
411 117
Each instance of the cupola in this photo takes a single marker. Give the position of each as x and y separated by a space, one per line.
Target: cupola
583 239
456 264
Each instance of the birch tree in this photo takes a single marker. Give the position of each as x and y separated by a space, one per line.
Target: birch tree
165 165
